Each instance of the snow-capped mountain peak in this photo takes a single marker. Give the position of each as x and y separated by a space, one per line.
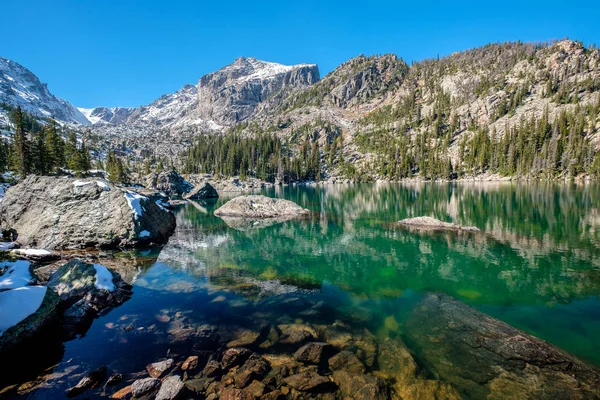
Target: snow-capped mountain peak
20 87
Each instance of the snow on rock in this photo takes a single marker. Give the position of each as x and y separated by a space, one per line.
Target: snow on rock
101 185
144 234
135 202
18 304
104 278
33 252
17 275
7 245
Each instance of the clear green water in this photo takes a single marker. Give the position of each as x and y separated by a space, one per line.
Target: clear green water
536 266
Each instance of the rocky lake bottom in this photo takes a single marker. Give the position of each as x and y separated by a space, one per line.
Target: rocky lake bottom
345 303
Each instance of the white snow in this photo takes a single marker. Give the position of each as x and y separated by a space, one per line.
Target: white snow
100 184
144 234
18 304
82 183
32 252
103 185
264 70
104 278
17 275
135 202
162 205
7 245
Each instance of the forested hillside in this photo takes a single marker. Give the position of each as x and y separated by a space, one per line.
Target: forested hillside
512 109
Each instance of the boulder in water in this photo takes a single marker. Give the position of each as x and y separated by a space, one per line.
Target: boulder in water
202 191
259 207
429 223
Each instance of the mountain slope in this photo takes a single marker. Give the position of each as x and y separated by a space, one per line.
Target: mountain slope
20 87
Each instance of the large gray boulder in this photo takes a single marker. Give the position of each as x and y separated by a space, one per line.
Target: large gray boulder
64 213
258 206
168 182
202 191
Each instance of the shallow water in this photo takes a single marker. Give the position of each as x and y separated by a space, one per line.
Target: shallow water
536 266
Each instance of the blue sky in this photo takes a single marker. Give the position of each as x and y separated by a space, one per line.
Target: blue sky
128 53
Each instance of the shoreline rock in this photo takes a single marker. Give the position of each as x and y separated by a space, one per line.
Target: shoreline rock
63 213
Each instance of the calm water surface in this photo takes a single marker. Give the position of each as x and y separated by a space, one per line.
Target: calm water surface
536 267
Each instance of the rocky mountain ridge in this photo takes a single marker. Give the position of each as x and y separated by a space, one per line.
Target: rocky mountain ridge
20 87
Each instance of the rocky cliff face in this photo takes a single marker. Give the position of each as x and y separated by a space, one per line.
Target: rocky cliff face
109 115
20 87
233 93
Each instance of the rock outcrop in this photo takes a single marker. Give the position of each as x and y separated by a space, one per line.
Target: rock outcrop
63 213
259 207
233 93
168 182
429 223
486 358
202 191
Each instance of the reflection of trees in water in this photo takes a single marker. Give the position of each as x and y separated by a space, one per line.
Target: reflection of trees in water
536 247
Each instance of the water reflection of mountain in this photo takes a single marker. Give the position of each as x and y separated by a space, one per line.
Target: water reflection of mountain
539 245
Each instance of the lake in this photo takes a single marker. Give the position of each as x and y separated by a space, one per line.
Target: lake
535 266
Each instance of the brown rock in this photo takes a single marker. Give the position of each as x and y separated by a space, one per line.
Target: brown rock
308 381
234 357
158 369
92 380
256 368
257 388
314 352
212 369
235 394
346 361
191 363
360 387
123 393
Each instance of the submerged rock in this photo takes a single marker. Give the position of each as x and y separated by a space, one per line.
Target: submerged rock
429 223
168 182
202 191
158 369
258 207
87 289
143 387
360 387
309 381
63 213
313 353
170 389
90 381
487 358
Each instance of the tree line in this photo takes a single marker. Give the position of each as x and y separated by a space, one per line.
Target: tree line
39 149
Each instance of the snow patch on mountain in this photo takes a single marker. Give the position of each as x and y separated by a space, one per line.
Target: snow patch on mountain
20 87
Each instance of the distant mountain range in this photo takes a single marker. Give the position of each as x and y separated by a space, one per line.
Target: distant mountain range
372 104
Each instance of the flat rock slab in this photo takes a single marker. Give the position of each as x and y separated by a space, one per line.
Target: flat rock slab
487 358
258 207
429 223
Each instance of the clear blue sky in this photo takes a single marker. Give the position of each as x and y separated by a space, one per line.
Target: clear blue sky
128 53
